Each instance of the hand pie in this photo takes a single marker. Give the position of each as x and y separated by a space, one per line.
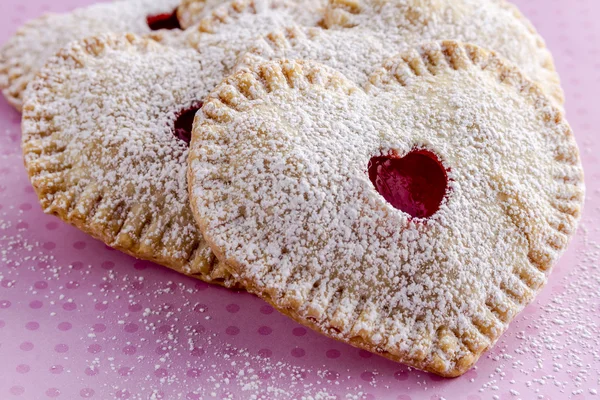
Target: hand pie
106 128
413 218
36 41
492 24
233 27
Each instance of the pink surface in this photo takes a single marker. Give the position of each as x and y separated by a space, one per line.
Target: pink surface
78 320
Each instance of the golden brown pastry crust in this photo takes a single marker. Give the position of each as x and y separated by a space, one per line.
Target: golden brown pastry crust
276 218
99 149
492 24
37 40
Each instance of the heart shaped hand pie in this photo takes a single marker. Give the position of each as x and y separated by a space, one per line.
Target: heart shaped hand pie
280 185
492 24
28 50
104 142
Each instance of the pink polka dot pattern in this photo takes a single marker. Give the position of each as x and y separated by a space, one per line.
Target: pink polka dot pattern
333 353
265 330
26 346
364 354
61 348
79 320
233 308
299 331
401 375
56 369
94 348
51 226
232 330
32 326
193 373
197 352
36 304
298 352
265 353
23 368
266 309
41 285
86 393
65 326
17 390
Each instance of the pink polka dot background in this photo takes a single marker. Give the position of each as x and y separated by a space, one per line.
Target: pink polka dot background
79 320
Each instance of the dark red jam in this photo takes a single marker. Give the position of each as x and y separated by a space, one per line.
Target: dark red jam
184 123
415 183
163 21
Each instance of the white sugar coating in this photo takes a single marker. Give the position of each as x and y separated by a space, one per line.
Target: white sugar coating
277 173
355 53
100 150
39 39
128 99
491 24
233 27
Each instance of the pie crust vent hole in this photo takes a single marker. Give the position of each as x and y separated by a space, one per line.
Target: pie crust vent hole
415 184
184 123
163 21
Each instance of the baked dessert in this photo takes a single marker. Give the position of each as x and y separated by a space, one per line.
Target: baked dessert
27 51
122 181
231 28
492 24
106 127
414 218
355 53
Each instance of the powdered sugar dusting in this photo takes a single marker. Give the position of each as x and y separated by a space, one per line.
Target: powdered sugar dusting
279 188
233 27
99 145
353 52
491 24
190 320
27 51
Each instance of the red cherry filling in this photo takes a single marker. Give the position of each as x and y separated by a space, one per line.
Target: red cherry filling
163 21
184 123
415 183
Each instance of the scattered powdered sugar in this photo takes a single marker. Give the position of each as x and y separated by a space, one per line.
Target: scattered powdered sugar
492 24
36 41
536 357
557 341
280 191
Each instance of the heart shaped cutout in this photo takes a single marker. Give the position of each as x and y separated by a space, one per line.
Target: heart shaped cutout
415 183
184 123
